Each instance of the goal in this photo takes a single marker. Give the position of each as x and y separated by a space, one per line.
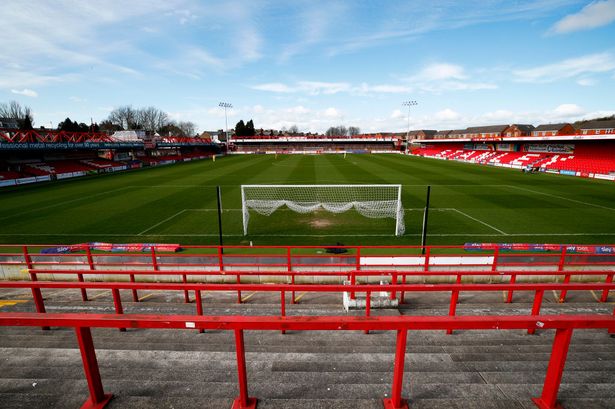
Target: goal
373 201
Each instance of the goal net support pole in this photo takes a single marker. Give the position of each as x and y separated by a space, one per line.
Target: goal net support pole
372 201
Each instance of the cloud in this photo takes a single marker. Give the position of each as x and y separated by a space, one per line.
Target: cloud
308 87
587 64
567 111
438 72
25 92
397 114
436 78
442 77
447 114
586 82
77 99
311 26
274 87
595 14
407 21
332 113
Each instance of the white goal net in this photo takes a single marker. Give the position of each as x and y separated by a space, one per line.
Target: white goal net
373 201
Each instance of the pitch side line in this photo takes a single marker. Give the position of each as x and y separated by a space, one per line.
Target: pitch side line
162 222
561 197
481 222
296 182
300 235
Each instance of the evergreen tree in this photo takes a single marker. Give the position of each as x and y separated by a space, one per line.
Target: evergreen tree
240 128
250 131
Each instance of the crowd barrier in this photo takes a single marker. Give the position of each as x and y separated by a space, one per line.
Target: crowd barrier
283 289
82 323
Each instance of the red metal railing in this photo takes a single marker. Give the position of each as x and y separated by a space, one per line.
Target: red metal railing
283 289
291 257
563 325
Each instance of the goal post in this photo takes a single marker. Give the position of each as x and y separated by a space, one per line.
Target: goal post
372 201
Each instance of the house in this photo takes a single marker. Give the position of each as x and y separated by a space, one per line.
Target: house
485 132
422 134
456 134
442 134
554 130
597 128
9 123
516 130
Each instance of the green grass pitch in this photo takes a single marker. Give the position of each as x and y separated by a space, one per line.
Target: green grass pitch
177 204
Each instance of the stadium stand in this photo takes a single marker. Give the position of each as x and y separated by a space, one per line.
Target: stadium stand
586 158
9 175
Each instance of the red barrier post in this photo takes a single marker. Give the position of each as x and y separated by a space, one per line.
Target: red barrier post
560 268
283 306
135 295
353 277
509 297
117 303
199 305
242 401
612 330
238 280
536 307
186 292
368 306
561 342
37 295
394 282
605 292
90 258
97 399
402 295
452 309
496 254
289 268
396 402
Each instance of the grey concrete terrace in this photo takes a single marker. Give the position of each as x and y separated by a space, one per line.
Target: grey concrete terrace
315 369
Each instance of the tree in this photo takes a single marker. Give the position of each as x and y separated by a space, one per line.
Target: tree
293 130
604 118
108 126
26 123
187 128
125 117
152 119
337 131
240 128
68 126
354 130
250 131
22 114
170 129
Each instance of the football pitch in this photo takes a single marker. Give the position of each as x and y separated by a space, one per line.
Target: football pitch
177 204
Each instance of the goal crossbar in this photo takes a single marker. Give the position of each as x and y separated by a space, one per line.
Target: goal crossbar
372 201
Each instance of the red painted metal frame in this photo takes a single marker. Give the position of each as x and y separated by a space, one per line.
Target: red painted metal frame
97 399
454 289
564 325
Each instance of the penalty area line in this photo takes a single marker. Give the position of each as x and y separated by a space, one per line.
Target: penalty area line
481 222
161 222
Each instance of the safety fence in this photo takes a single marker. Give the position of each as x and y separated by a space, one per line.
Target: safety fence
454 289
82 323
352 277
291 258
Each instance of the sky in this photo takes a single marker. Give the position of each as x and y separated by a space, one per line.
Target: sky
312 63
